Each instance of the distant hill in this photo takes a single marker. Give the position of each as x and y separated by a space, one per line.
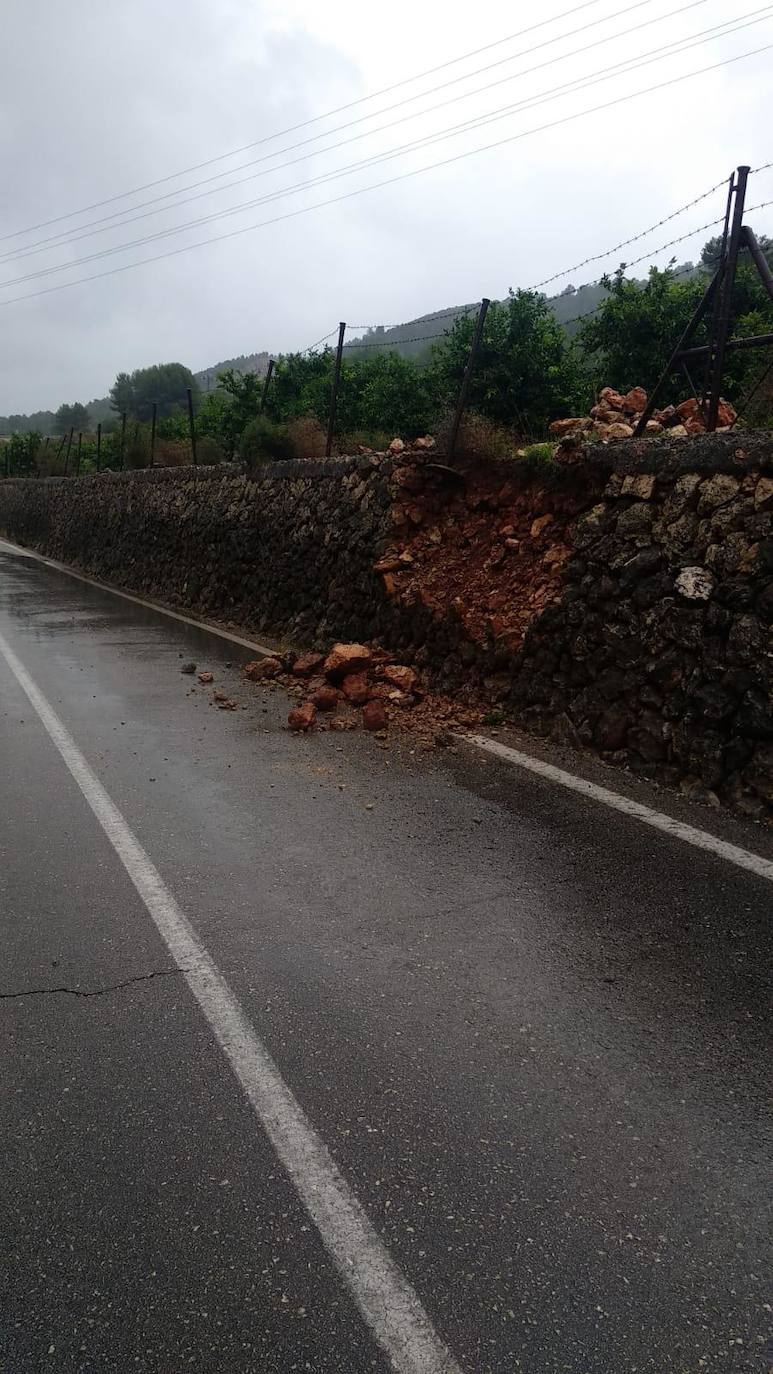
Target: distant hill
413 339
246 362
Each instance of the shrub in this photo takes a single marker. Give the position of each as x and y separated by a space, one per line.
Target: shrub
264 441
307 436
539 453
208 450
478 438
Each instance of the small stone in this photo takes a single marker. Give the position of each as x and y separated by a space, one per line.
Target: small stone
695 584
763 496
716 491
205 678
653 427
639 484
302 718
540 524
612 399
619 431
396 446
262 668
374 716
188 668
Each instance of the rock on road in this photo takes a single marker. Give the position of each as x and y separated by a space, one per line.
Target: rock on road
526 1036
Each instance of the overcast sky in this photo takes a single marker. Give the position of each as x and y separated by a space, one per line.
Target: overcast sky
98 97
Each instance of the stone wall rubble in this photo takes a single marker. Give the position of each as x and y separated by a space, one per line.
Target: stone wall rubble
624 604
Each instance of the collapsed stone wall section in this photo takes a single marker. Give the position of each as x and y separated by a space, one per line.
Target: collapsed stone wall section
636 621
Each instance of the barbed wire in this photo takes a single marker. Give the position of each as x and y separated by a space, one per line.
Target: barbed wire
763 168
324 339
625 243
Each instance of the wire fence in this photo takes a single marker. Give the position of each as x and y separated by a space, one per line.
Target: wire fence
377 338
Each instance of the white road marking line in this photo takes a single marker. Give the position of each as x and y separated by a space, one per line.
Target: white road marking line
251 644
701 839
386 1300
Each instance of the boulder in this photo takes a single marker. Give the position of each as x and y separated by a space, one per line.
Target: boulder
374 716
308 664
396 446
355 688
345 659
325 698
302 718
401 676
561 427
612 399
619 431
635 400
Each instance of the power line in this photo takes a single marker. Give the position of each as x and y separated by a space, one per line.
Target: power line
128 217
629 64
293 128
403 176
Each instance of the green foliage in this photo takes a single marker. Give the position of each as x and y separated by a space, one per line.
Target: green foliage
19 456
265 441
166 384
639 323
526 375
75 417
539 453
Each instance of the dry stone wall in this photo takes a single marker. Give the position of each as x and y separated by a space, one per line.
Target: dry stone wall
655 647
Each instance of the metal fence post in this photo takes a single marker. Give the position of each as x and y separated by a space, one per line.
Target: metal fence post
153 435
99 445
67 455
334 391
123 439
467 378
266 384
716 363
78 458
192 427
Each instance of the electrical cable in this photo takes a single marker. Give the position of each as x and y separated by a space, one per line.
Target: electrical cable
293 128
403 176
128 216
657 54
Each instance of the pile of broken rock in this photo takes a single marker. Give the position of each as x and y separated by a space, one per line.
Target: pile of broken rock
616 417
355 685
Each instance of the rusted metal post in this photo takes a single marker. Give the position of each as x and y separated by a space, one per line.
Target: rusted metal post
334 392
467 378
717 358
123 439
67 455
192 427
266 384
99 445
78 457
749 241
8 459
697 316
153 435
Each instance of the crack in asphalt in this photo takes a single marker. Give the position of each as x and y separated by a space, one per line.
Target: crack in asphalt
93 992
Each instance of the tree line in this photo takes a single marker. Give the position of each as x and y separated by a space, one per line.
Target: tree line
530 370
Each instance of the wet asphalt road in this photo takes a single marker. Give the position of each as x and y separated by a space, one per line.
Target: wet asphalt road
534 1035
